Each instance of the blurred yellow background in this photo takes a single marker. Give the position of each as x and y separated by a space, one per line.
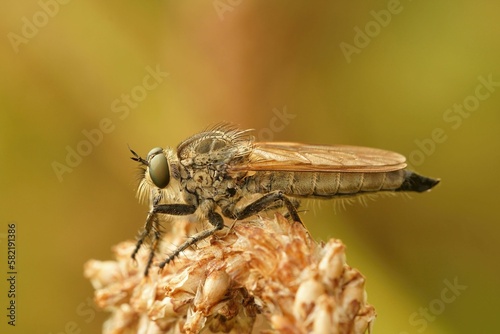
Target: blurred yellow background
418 77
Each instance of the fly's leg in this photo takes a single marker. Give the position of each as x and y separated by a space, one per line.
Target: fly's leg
268 201
150 221
278 205
152 225
217 222
154 245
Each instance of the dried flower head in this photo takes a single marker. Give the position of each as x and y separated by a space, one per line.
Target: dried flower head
265 270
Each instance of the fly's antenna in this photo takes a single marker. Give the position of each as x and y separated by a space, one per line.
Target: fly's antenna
137 157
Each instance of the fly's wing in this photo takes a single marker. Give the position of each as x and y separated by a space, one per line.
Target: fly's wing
281 156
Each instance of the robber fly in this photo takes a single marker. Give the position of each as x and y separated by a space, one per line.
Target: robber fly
212 172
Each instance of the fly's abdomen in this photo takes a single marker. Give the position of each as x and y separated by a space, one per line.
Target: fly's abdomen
333 184
325 184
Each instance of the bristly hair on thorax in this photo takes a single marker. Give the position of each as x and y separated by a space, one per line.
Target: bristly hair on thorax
231 131
240 142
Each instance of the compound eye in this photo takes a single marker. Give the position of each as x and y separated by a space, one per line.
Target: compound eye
153 152
158 170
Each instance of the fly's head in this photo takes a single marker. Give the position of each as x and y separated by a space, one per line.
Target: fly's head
159 175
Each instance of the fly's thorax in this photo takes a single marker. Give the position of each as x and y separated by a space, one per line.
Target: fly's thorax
199 179
204 160
323 184
206 183
216 148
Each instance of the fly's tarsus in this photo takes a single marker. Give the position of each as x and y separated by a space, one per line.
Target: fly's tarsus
218 224
151 226
154 246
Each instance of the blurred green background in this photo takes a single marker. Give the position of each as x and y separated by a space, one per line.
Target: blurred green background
378 73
